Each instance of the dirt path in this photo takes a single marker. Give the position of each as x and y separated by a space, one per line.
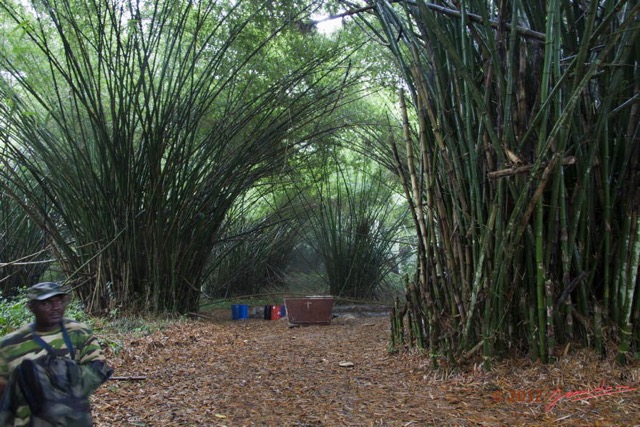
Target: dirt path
263 373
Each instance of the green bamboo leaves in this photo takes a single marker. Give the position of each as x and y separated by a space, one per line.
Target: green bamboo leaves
521 165
142 123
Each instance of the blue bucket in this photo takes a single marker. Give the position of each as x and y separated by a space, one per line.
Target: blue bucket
284 311
235 311
243 311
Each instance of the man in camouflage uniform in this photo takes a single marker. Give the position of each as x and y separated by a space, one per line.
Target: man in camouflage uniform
48 369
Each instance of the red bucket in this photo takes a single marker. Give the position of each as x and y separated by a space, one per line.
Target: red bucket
276 312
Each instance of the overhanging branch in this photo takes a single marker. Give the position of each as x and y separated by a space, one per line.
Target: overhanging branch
525 32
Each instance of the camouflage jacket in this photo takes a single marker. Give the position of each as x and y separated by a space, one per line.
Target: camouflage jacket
32 376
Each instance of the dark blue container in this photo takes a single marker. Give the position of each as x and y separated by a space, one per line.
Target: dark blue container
243 311
284 311
235 311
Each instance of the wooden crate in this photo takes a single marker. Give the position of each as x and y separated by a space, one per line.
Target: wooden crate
311 310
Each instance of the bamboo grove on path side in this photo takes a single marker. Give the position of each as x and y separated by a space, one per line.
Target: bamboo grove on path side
162 116
520 157
521 163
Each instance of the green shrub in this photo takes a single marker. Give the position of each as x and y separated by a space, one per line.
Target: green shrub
15 313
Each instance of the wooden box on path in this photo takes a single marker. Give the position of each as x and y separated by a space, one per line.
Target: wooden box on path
311 310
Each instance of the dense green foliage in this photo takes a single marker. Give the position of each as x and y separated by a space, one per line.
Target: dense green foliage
23 242
129 132
253 253
151 151
352 219
520 162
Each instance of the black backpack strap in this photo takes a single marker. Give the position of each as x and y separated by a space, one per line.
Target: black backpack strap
42 343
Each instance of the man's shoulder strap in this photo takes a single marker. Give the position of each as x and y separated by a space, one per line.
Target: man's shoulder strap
42 343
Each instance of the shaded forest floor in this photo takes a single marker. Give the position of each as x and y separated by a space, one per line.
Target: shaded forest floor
263 373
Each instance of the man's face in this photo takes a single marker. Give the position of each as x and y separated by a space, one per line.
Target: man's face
49 312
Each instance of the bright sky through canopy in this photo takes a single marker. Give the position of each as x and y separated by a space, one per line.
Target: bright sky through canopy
326 27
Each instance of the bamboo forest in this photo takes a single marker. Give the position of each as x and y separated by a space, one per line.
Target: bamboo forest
472 164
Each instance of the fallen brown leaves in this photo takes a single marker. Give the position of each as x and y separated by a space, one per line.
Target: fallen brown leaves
262 373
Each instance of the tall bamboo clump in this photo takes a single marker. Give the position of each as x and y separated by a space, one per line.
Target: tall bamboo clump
23 255
521 163
348 217
140 123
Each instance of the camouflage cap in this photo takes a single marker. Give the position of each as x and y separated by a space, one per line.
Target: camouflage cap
45 290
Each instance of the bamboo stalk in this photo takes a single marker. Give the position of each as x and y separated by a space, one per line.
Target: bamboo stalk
491 103
630 284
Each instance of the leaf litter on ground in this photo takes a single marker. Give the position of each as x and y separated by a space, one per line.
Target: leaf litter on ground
219 372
